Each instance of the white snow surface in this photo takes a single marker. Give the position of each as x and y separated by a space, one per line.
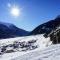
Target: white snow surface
44 51
50 53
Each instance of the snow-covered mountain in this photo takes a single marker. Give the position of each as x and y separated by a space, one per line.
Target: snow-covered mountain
40 45
8 30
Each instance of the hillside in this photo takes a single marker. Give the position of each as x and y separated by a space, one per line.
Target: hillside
50 53
47 27
35 47
8 30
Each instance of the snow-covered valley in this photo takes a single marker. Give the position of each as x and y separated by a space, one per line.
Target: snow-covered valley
35 47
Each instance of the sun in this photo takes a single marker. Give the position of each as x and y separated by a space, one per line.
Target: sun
15 11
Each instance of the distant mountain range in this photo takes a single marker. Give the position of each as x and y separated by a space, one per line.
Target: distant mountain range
8 30
47 27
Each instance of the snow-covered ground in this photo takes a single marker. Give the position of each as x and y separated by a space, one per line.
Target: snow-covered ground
50 53
44 50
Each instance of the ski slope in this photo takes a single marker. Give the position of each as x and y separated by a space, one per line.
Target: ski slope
44 51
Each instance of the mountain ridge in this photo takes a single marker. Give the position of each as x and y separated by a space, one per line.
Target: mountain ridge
46 27
8 30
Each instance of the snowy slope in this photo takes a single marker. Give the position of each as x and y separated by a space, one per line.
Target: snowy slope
40 39
44 48
50 53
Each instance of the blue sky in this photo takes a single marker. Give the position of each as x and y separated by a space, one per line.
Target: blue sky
33 12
